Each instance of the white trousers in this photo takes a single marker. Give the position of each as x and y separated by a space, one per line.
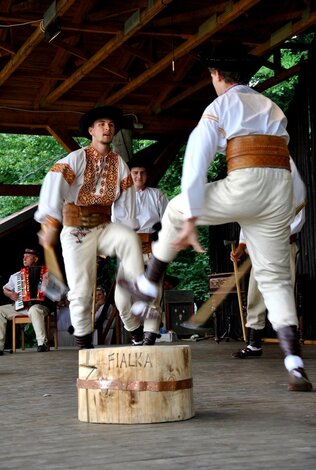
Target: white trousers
256 309
36 312
80 250
261 201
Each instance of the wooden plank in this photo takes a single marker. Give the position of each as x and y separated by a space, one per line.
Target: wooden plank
106 50
20 189
27 48
232 398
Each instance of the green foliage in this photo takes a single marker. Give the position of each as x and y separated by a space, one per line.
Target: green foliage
170 183
11 204
141 144
29 336
218 168
283 92
24 159
190 267
193 268
106 272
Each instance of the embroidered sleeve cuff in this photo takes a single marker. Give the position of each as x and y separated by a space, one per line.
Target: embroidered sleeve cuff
52 222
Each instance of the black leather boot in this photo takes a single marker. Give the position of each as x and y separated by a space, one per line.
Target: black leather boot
254 348
290 345
84 342
289 340
149 338
137 336
255 338
155 270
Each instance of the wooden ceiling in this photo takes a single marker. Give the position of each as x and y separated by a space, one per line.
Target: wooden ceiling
141 55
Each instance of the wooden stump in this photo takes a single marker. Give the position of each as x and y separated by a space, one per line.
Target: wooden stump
135 384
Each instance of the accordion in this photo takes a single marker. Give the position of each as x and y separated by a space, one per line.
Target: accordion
30 286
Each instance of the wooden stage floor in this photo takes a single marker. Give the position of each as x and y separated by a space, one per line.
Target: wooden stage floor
244 417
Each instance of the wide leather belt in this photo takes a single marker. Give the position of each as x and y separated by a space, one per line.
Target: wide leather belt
86 216
146 241
257 151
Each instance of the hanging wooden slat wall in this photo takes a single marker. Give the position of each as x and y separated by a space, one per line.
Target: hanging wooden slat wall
301 117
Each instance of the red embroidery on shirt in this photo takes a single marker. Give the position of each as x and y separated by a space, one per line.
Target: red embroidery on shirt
126 183
65 170
100 172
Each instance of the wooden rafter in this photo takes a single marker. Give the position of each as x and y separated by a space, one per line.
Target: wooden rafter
207 29
107 49
45 86
35 38
63 138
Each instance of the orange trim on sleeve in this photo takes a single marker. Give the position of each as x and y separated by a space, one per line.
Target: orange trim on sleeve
210 116
65 170
126 183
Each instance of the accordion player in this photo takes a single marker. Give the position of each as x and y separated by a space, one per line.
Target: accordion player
29 283
25 289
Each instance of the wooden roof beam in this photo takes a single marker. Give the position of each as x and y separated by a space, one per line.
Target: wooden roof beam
108 49
60 58
92 28
6 47
185 94
20 190
214 24
283 75
286 32
22 118
81 54
113 11
277 38
186 65
63 138
280 77
183 17
36 37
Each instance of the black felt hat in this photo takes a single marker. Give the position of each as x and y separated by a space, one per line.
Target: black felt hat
101 112
140 162
232 57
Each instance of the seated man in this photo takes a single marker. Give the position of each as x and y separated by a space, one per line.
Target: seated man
36 309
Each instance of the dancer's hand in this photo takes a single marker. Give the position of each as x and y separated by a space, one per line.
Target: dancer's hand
238 253
188 237
48 236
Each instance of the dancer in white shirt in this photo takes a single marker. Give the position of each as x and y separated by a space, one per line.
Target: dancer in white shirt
257 193
85 193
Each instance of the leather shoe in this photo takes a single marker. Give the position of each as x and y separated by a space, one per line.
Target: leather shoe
137 336
298 381
149 338
247 352
1 353
132 288
43 347
84 342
